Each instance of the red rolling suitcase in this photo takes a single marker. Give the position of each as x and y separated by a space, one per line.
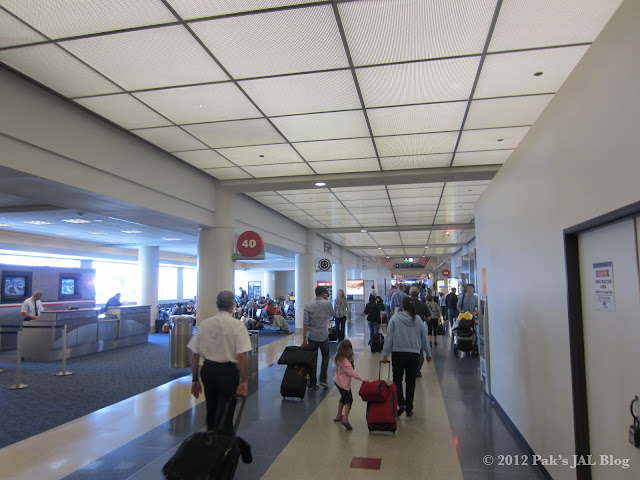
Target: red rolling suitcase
383 416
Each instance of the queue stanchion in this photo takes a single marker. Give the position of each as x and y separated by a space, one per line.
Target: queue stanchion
64 372
18 385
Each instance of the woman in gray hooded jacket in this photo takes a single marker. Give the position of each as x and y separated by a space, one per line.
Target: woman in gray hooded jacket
406 337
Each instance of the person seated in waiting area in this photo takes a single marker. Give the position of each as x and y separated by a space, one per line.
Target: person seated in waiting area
177 309
274 312
189 308
114 301
32 307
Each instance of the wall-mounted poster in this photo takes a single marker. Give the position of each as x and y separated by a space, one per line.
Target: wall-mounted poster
254 290
355 287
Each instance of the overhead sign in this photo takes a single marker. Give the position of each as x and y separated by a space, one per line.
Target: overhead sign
446 273
408 265
324 265
604 287
250 245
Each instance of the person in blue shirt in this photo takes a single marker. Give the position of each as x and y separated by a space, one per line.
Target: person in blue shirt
316 314
468 302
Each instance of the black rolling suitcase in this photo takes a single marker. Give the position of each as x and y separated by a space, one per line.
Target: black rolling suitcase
212 455
294 382
333 333
377 343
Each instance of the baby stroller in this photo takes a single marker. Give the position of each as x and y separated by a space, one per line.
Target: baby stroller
464 336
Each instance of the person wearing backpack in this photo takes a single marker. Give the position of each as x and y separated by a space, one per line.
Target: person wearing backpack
372 311
451 301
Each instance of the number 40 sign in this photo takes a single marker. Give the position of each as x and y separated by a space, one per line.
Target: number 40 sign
249 244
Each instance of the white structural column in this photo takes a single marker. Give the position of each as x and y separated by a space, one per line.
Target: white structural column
305 277
180 294
339 275
215 252
269 283
149 265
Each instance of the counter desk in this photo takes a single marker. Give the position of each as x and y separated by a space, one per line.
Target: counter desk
88 331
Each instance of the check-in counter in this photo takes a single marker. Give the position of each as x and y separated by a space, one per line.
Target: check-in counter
87 332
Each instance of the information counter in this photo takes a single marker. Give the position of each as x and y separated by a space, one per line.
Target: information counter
87 332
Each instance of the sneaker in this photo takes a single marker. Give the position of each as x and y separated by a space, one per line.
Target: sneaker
347 425
323 384
409 413
401 410
338 419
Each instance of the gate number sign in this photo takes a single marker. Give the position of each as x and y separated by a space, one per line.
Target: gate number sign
249 244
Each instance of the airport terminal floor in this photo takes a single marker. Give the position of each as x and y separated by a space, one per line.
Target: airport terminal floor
453 428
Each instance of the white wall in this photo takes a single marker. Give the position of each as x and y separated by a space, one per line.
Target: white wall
580 160
378 273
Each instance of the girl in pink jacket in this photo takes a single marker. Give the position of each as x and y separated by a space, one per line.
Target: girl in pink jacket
342 379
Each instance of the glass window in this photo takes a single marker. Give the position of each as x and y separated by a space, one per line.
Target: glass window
112 278
189 283
168 284
37 261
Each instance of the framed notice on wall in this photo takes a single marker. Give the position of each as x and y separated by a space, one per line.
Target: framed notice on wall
605 296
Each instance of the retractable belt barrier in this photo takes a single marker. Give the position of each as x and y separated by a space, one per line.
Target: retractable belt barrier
18 385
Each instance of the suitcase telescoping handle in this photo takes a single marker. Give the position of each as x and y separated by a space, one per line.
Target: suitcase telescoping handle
380 369
228 411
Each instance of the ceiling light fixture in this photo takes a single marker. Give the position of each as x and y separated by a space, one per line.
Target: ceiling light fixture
98 233
363 231
76 220
411 259
202 106
5 225
320 184
426 246
501 139
131 231
379 248
537 74
37 222
171 239
447 233
66 234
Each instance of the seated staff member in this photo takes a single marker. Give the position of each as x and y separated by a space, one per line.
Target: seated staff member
223 342
114 301
32 306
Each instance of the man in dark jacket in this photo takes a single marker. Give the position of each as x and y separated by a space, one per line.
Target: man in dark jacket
452 305
423 312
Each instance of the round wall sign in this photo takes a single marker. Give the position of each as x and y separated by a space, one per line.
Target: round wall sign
249 244
446 273
324 265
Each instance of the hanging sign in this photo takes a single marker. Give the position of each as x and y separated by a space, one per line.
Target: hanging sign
446 273
250 244
604 287
324 265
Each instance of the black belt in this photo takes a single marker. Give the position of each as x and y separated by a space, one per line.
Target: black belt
219 363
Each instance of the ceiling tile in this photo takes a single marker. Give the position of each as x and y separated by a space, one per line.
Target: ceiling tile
409 192
279 170
272 43
539 23
509 74
359 189
453 198
124 110
383 32
361 195
368 202
14 32
204 159
432 81
280 153
488 157
386 238
426 219
235 134
345 166
189 9
378 223
453 189
423 201
506 112
356 210
321 126
336 149
415 210
310 197
231 173
158 57
436 117
308 93
446 219
171 139
416 144
56 69
394 251
202 103
416 185
472 140
416 161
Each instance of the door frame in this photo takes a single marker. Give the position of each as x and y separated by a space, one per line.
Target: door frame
576 326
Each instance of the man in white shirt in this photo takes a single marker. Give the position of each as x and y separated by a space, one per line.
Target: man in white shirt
223 342
32 307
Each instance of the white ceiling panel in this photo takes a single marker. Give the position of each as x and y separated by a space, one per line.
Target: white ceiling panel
204 159
159 57
506 112
262 155
336 149
308 93
171 139
540 23
369 202
444 219
231 173
202 103
510 74
491 139
310 197
124 110
388 238
59 19
374 216
414 237
394 251
414 251
436 117
319 126
356 210
416 185
453 189
423 201
56 69
358 189
426 219
284 170
14 32
422 82
361 195
458 199
392 31
345 166
410 192
416 144
489 157
416 161
285 41
236 134
415 210
189 9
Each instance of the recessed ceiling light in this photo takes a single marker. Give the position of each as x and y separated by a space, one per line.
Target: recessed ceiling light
5 225
501 139
537 74
66 234
388 258
379 248
363 231
411 259
446 233
426 246
36 222
202 106
98 233
131 231
320 184
76 220
171 239
261 156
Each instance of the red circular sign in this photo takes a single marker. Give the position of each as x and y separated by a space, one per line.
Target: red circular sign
249 244
446 273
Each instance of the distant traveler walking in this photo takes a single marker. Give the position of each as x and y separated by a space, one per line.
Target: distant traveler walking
451 302
316 314
341 308
433 317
